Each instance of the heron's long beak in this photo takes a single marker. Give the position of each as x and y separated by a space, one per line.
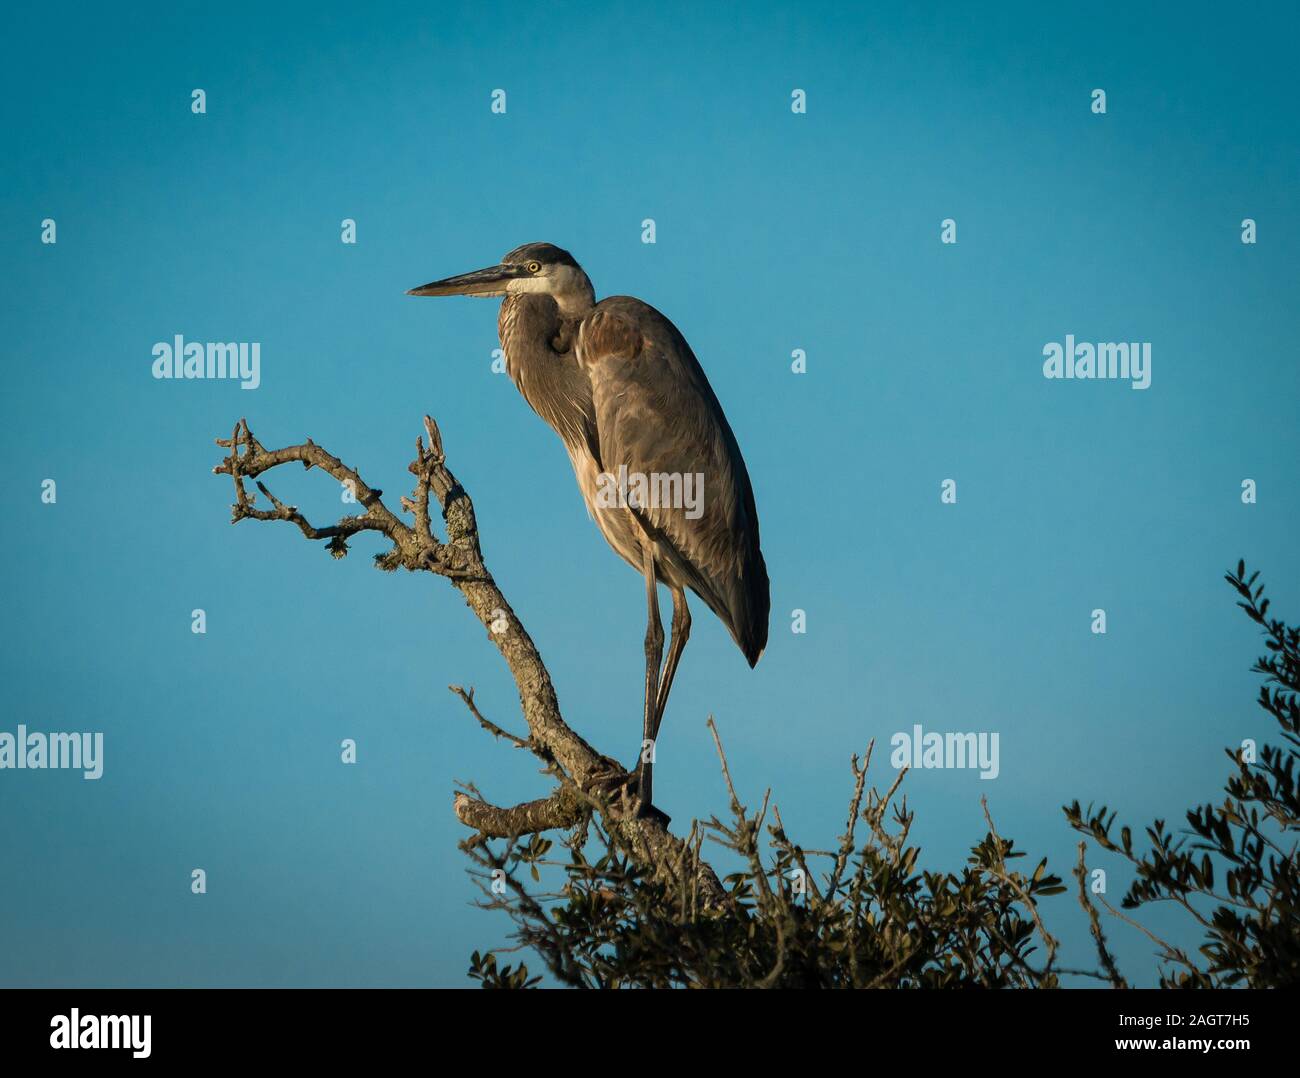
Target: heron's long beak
485 282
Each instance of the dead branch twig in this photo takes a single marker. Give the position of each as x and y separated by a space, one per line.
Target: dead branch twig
459 558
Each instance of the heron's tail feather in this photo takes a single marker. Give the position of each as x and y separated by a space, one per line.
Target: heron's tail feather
745 606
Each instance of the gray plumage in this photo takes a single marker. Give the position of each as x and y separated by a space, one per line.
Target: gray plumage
623 390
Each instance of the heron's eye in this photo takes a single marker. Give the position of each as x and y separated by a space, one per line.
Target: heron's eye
533 267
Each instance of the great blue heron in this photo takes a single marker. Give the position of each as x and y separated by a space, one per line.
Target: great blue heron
623 390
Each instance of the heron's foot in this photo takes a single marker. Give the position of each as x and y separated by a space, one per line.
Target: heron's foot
646 811
644 786
620 790
612 783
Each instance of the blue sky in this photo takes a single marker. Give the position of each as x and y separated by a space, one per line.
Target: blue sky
775 231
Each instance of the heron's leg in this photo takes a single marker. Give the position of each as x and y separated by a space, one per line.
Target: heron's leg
681 632
654 653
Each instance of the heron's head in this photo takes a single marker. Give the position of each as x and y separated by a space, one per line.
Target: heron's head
539 268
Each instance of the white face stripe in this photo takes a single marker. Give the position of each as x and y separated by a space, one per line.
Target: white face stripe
519 285
567 284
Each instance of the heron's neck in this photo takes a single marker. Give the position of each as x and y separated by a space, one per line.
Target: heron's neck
537 336
575 305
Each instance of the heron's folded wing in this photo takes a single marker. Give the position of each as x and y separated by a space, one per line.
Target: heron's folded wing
657 416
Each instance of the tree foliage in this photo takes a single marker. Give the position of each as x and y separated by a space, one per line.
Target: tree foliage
1234 869
864 913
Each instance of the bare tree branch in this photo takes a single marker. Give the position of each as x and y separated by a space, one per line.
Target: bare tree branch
1094 921
1012 880
576 766
561 810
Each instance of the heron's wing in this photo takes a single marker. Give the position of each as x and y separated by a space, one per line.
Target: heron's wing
657 416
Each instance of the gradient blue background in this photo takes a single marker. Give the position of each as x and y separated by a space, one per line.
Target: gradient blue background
775 232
